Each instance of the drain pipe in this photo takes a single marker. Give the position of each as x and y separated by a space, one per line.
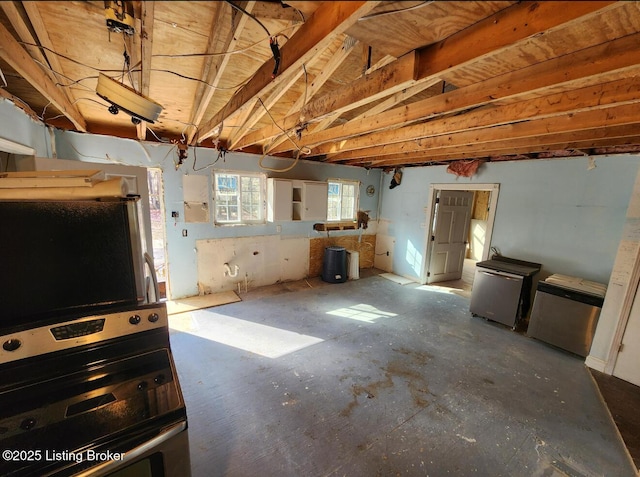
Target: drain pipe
227 270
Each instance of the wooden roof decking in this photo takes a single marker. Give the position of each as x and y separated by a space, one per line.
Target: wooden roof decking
373 84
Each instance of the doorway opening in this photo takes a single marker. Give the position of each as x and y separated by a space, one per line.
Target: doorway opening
158 223
460 220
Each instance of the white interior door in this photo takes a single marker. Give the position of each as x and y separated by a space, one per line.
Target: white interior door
450 232
627 365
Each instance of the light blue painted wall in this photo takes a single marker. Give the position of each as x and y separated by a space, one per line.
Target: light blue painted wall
555 212
18 127
181 251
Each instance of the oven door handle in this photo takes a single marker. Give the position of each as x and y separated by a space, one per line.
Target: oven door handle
136 452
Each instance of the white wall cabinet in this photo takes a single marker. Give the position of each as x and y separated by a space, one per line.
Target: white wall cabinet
279 199
310 200
296 200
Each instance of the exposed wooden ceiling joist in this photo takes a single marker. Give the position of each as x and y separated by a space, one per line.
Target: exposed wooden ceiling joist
443 80
215 65
517 23
593 64
485 137
604 137
328 21
14 54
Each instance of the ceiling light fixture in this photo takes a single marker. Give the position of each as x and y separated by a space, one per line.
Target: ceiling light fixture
119 15
122 97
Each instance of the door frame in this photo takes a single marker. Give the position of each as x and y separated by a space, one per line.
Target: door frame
431 209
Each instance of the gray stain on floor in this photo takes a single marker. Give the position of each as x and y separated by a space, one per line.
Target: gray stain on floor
420 388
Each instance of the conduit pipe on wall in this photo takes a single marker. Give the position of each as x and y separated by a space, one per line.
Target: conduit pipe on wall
227 270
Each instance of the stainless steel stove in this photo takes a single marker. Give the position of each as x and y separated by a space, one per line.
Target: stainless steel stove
86 395
88 386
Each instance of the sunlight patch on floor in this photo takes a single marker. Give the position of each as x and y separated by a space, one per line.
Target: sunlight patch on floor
438 289
361 312
246 335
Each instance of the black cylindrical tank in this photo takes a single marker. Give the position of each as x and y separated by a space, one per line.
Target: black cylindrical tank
334 267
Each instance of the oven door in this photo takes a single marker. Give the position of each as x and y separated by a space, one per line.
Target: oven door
164 455
95 410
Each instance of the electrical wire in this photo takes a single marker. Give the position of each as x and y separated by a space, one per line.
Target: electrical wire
253 17
224 53
156 136
299 152
3 79
221 154
132 70
392 12
273 39
127 63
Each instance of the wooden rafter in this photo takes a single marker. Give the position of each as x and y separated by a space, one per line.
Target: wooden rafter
602 137
500 31
10 9
264 105
378 84
617 93
146 42
14 54
214 66
564 73
517 23
318 82
536 128
329 20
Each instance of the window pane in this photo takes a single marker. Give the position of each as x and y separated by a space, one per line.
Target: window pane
342 200
251 198
333 203
348 202
227 197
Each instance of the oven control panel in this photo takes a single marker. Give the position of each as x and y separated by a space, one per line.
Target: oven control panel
74 330
81 331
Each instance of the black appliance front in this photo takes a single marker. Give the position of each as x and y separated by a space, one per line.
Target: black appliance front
94 408
63 257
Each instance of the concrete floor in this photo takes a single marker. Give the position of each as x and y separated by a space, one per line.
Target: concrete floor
372 378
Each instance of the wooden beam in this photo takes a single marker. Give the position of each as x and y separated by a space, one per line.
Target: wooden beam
215 66
336 60
329 20
318 82
71 111
285 85
517 23
620 92
19 24
13 53
541 129
619 57
364 122
146 44
499 31
264 106
609 136
378 84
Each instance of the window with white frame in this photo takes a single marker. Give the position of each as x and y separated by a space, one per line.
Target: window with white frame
342 200
239 197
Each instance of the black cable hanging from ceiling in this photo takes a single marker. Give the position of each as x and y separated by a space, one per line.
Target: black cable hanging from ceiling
273 41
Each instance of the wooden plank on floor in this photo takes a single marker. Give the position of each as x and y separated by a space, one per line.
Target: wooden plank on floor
199 302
